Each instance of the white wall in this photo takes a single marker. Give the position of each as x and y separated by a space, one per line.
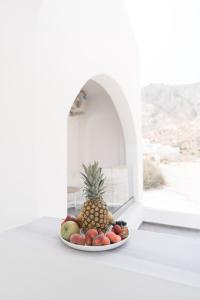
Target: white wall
73 148
50 50
96 134
17 105
168 36
69 53
101 137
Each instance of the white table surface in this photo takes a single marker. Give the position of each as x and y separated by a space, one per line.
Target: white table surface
34 264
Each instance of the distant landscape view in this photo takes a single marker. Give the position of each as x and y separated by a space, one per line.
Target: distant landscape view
171 131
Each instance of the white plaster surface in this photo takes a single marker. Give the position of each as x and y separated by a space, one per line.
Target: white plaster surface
96 134
50 49
36 265
180 231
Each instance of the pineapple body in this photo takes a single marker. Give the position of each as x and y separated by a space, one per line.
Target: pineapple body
95 215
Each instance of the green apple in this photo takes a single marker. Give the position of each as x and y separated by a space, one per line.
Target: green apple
69 228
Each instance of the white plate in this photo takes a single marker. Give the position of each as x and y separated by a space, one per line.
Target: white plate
95 248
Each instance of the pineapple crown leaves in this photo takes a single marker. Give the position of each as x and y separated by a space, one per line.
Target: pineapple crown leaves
94 181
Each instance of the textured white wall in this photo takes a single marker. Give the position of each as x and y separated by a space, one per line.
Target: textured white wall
69 53
96 134
50 50
168 37
17 105
101 132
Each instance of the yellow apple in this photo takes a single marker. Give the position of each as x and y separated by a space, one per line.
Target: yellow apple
69 228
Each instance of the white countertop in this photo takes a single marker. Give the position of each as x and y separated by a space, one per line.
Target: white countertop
34 264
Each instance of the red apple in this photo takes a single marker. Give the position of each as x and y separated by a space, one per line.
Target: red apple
117 229
70 218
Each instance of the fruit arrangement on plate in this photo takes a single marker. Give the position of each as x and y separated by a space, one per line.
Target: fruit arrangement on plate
95 225
72 233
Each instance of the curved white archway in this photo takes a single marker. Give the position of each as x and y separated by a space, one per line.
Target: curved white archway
123 112
58 54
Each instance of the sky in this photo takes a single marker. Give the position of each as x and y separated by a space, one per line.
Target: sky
168 36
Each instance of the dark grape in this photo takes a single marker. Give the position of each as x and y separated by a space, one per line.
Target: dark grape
121 223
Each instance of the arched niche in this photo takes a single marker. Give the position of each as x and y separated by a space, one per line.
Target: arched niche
102 129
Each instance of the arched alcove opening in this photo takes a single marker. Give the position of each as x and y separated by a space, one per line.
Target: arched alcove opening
99 129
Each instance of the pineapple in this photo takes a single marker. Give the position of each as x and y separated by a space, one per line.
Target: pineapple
94 213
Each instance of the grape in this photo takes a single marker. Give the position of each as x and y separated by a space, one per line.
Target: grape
121 223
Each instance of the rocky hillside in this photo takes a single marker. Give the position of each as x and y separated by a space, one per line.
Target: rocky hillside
171 116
